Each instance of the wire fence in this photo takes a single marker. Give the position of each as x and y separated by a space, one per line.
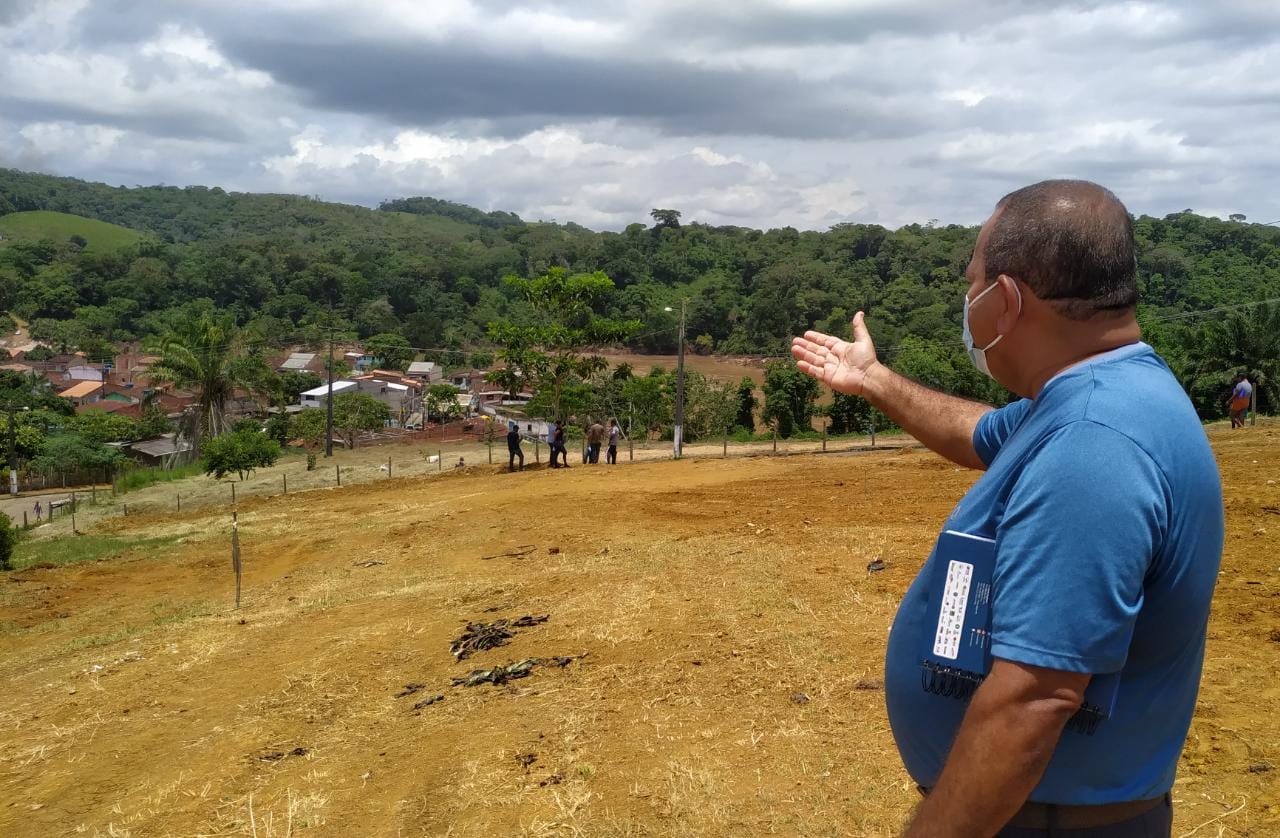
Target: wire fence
77 508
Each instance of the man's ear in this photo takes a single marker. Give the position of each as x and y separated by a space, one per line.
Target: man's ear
1013 303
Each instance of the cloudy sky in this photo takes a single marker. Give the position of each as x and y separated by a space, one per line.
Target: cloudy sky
752 112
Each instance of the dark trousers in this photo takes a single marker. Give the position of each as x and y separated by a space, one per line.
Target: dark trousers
558 450
611 455
1157 823
593 452
512 453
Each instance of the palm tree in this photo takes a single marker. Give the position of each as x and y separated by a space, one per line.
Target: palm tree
1244 341
204 354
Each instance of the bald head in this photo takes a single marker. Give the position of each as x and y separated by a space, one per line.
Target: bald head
1071 241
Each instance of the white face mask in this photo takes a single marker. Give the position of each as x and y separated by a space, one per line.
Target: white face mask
976 354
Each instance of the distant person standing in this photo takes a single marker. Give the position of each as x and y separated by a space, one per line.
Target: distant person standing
560 447
513 447
595 436
611 455
552 428
39 510
1241 398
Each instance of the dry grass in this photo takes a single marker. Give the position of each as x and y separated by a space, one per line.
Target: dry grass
729 627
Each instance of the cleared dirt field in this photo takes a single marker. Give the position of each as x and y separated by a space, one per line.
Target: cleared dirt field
732 644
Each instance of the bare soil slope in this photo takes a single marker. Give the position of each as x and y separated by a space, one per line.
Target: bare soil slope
731 640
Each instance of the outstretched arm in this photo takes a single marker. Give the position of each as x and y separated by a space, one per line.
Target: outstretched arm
942 422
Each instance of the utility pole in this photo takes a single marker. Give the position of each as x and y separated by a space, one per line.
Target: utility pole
677 438
13 455
328 403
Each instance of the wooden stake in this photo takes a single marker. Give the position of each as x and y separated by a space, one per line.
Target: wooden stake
337 470
179 502
440 459
285 478
724 446
233 496
235 553
824 437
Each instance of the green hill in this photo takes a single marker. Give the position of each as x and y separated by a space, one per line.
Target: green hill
60 227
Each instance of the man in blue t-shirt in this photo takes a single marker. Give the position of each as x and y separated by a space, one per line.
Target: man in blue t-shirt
1104 504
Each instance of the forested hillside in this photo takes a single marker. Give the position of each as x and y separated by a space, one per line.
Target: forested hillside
432 270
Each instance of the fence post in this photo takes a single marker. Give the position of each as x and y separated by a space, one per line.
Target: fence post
824 437
285 477
440 459
337 470
233 496
724 448
873 432
235 553
631 450
388 466
537 454
490 440
126 510
179 501
24 519
775 439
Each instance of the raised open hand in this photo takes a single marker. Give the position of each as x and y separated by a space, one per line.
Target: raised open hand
840 364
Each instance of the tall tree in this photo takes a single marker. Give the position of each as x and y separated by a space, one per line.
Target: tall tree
392 350
746 414
204 354
357 413
551 354
789 398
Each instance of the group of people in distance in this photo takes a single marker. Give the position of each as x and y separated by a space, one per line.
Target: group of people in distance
597 434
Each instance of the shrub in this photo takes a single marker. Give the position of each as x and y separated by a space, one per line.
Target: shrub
240 452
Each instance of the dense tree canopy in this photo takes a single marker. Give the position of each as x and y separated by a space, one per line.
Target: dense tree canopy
432 272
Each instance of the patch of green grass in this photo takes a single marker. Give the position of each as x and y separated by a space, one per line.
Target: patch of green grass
92 641
60 226
167 613
143 477
80 548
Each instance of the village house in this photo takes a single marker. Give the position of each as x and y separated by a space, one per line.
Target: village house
164 451
83 372
301 362
428 372
359 361
469 381
83 394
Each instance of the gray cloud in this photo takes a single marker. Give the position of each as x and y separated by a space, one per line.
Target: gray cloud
751 112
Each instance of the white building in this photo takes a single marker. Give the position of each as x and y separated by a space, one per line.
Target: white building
316 396
400 398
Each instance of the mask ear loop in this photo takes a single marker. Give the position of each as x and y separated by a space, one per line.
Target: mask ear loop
1017 290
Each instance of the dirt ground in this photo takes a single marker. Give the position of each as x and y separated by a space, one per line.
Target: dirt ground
730 633
731 368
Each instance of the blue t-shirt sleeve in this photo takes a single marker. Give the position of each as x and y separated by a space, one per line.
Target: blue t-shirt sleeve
996 427
1080 527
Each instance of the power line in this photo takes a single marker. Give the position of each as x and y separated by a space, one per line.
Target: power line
1201 312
